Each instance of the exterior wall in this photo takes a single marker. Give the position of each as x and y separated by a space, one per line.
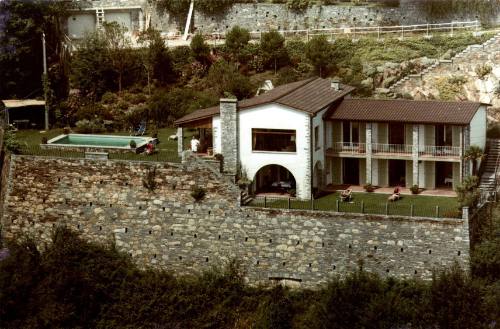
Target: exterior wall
216 134
122 18
409 173
362 172
456 174
422 174
336 171
430 174
79 24
319 152
383 172
271 116
166 229
478 128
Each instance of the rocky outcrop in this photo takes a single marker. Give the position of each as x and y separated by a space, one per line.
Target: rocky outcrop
473 75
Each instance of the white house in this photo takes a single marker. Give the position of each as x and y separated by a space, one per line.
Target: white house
311 134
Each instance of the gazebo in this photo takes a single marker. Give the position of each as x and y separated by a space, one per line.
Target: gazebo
24 113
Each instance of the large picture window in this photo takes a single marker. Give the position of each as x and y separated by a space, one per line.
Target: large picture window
275 140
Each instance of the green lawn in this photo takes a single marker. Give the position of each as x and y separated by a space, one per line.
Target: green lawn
167 149
373 203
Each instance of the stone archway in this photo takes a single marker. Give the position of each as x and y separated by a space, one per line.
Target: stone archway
275 178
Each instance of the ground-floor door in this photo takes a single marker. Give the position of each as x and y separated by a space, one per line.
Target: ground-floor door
397 172
350 171
444 174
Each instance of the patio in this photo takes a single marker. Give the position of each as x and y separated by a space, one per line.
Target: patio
442 192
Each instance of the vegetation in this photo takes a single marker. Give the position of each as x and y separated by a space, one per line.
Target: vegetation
450 88
79 284
468 193
483 70
474 154
198 193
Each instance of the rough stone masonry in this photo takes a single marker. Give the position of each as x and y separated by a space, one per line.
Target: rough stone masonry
107 201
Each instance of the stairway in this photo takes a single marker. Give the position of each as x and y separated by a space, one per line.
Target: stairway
461 63
245 198
488 178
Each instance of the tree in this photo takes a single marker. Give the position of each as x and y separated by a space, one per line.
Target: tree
156 57
119 49
200 49
467 192
227 81
91 67
21 27
474 153
236 39
273 48
319 52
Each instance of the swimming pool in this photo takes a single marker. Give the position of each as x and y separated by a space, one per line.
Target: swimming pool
104 143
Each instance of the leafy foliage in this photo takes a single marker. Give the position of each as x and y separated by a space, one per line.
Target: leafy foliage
273 50
467 192
198 193
79 284
226 80
319 53
236 39
200 49
483 70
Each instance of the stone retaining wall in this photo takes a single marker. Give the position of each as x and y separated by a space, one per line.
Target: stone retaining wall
106 201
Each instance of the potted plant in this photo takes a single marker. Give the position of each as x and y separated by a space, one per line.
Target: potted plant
369 187
414 189
132 144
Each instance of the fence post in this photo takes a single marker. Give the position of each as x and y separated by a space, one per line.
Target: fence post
265 201
312 202
437 211
338 205
411 210
378 32
362 207
402 32
307 35
387 208
427 30
289 203
451 33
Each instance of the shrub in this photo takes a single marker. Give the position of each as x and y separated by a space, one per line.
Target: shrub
44 140
493 131
132 144
483 70
449 88
298 5
414 189
66 130
198 193
89 126
11 143
109 98
369 187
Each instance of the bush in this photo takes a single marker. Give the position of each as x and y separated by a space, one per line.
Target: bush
109 98
198 193
493 131
132 144
44 140
483 70
89 126
10 142
369 187
415 189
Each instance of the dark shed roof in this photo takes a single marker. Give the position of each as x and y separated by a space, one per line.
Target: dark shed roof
397 110
310 95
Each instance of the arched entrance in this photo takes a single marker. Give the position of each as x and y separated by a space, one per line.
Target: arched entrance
274 179
318 175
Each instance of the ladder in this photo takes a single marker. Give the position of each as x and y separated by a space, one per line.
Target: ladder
99 13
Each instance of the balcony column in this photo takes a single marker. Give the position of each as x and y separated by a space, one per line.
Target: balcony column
369 153
466 144
180 140
461 154
414 153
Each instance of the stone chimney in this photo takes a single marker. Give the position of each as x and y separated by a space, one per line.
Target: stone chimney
229 133
335 84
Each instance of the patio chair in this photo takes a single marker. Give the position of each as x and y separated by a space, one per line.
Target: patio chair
141 130
346 195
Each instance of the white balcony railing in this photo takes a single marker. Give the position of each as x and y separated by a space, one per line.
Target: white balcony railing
392 148
350 148
439 151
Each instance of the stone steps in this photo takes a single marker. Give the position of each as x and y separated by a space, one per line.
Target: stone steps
482 50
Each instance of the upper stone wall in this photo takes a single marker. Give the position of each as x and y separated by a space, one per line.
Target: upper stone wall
107 201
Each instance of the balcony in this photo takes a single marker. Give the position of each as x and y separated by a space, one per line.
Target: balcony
393 150
345 148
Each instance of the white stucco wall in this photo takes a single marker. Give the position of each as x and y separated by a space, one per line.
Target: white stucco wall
122 18
81 24
318 152
216 134
478 128
275 116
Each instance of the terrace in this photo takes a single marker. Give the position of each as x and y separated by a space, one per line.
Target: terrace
369 203
30 145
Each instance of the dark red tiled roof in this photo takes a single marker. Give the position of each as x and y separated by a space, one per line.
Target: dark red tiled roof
398 110
310 95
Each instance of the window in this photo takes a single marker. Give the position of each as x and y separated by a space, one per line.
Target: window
316 137
350 132
275 140
444 135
